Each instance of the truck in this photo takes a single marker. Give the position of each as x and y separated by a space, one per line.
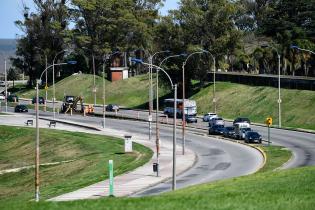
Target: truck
190 107
71 103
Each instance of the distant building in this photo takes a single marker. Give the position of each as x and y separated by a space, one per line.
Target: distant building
119 67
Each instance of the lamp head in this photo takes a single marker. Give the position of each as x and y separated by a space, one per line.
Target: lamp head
294 47
72 62
136 60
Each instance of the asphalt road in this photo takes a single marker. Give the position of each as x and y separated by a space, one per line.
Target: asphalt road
216 159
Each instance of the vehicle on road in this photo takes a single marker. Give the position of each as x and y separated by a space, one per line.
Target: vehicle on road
13 98
240 130
253 137
241 119
229 132
20 108
190 107
216 121
70 103
209 116
216 129
191 119
2 97
112 108
41 100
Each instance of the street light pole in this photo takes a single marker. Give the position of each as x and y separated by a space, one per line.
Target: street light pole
279 89
6 85
214 100
183 106
157 142
279 83
151 57
174 121
37 183
174 140
53 78
104 109
94 86
46 90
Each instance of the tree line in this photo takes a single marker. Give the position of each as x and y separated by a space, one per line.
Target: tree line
233 31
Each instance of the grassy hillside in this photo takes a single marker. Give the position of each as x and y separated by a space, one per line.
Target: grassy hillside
233 100
287 189
132 92
258 103
87 154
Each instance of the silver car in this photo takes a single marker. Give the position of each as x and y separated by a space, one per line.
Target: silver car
209 116
216 121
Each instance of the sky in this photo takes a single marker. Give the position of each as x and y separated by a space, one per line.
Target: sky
11 10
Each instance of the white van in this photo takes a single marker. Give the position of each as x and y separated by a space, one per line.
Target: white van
240 129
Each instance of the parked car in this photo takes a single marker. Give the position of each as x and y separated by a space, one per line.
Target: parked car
216 121
2 97
41 100
216 129
20 108
191 119
229 132
241 119
253 137
209 116
13 98
112 108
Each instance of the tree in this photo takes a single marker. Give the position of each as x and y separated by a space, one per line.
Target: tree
12 75
45 29
103 26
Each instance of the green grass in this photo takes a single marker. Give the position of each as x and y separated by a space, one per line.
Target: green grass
258 103
287 189
89 154
233 100
132 92
276 157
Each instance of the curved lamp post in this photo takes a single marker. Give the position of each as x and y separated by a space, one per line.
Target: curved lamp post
298 48
157 110
214 100
104 107
174 86
279 82
151 57
183 112
37 129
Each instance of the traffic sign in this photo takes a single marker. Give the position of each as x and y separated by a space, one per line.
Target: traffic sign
269 121
46 87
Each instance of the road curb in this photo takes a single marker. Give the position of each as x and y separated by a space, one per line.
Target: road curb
72 123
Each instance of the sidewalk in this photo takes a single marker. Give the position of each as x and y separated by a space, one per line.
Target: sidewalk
125 184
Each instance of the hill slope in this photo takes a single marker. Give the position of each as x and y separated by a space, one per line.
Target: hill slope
258 103
255 102
132 92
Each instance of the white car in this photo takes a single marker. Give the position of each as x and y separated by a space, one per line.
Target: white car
216 121
209 116
2 97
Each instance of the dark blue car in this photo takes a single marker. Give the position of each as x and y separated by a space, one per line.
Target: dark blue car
216 129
